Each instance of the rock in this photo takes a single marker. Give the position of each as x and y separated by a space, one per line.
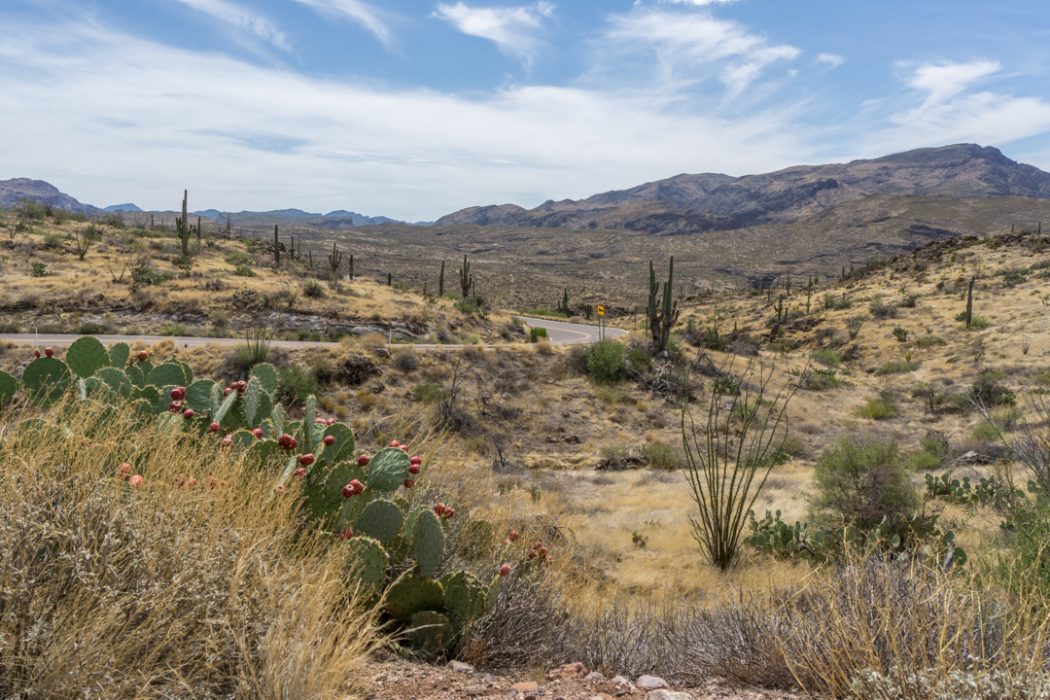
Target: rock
603 696
663 694
650 682
594 677
567 672
460 667
620 680
526 686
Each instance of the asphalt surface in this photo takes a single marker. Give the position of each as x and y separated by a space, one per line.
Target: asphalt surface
559 333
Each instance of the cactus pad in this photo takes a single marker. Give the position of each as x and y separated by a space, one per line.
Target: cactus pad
324 490
428 543
411 593
116 380
256 404
267 376
380 519
167 374
86 356
118 355
388 469
198 395
46 379
430 632
367 564
466 598
265 452
342 448
8 387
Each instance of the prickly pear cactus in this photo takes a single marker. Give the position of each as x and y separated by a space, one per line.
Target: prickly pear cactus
388 469
411 593
116 380
343 446
430 632
380 519
9 386
167 374
47 379
118 355
466 598
367 563
86 356
267 376
428 543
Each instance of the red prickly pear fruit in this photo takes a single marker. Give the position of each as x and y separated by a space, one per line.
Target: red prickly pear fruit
408 483
357 485
299 472
328 440
504 570
190 483
306 459
413 469
50 352
349 491
287 442
439 509
36 354
449 512
142 356
363 460
135 481
214 427
347 533
124 470
258 433
227 391
403 448
174 406
394 443
178 393
513 536
416 460
188 413
227 441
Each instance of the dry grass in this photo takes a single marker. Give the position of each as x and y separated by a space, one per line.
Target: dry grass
163 590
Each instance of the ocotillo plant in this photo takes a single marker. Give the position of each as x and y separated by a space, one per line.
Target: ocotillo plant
662 316
182 226
350 266
466 279
276 249
335 259
969 301
441 280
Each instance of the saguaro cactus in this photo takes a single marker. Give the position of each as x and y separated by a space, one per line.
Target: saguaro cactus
350 266
662 315
441 280
276 249
968 317
466 279
182 226
335 260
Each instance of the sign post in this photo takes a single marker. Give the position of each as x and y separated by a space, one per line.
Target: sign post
601 321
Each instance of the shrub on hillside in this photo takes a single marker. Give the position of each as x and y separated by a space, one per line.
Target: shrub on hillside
605 362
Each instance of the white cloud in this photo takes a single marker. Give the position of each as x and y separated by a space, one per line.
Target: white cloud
830 59
356 11
184 119
943 106
690 47
513 29
242 19
695 3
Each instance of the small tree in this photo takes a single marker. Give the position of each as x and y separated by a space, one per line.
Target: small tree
729 458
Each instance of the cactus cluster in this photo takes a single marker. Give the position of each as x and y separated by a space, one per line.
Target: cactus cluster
395 546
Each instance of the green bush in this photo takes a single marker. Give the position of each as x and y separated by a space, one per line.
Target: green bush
312 289
428 392
605 362
537 334
880 408
660 455
295 384
406 361
861 481
39 269
828 358
897 367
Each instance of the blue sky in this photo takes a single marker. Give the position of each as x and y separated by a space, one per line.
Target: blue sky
414 108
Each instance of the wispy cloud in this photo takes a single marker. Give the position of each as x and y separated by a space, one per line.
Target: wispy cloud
944 103
242 19
692 46
694 3
513 29
358 12
830 59
329 144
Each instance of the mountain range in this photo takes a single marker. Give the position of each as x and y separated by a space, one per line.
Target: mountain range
685 203
714 201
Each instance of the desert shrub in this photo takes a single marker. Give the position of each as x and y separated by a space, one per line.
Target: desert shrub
820 380
928 341
988 391
605 362
881 310
469 305
879 408
162 592
537 334
405 361
897 367
295 384
312 289
38 269
833 303
900 333
860 481
934 451
428 392
660 455
828 358
92 328
173 329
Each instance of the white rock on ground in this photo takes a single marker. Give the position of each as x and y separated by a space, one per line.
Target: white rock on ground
650 682
663 694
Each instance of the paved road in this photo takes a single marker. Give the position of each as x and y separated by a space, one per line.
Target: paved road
560 332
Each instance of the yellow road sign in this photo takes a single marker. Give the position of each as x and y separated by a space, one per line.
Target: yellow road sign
601 310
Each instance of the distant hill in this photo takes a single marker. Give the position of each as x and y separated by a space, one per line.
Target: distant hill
15 191
713 201
123 207
333 218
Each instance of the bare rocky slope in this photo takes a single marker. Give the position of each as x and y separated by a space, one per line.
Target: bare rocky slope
712 201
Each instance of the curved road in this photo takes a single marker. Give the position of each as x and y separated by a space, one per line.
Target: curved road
560 333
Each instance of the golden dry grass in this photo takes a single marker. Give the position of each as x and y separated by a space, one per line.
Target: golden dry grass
162 590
